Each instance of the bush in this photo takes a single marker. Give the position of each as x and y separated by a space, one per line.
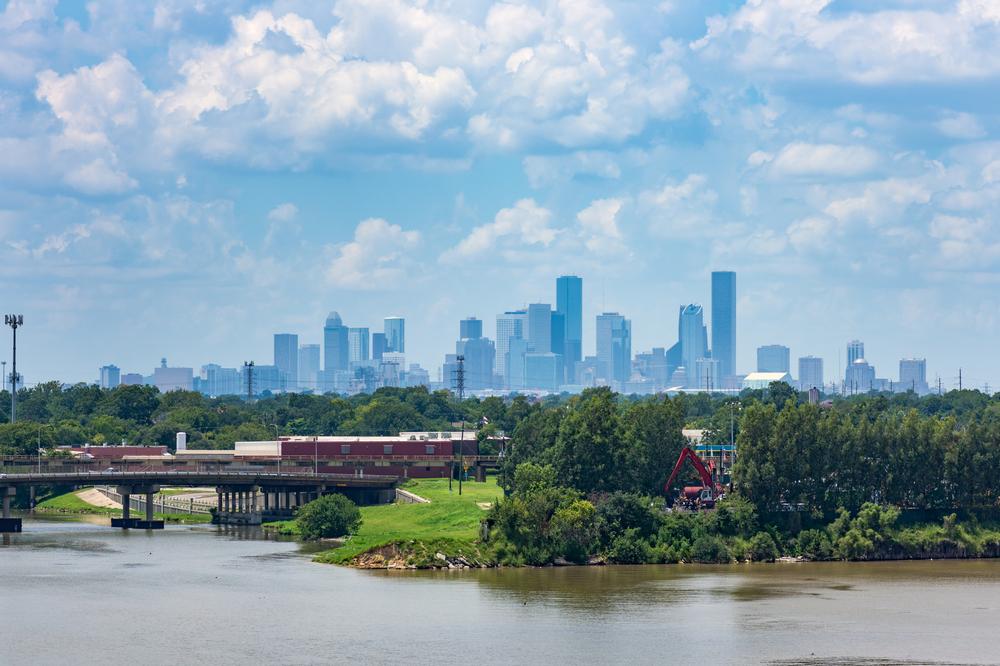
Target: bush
763 548
330 516
710 549
574 528
629 548
813 545
620 512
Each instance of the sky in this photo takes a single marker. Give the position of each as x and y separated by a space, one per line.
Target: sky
183 178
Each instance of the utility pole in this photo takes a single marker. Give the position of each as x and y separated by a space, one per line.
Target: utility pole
960 379
939 384
460 385
248 367
14 321
3 371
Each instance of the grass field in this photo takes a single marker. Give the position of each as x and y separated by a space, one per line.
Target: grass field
448 519
71 503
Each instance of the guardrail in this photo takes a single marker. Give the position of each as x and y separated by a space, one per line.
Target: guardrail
160 504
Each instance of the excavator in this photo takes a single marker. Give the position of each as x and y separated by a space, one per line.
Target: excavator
696 497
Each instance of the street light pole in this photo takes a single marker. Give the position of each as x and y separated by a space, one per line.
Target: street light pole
14 321
315 455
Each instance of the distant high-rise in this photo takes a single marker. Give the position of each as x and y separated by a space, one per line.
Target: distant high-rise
286 359
810 373
511 325
395 334
569 304
614 347
773 358
514 373
693 338
470 328
860 377
855 350
111 376
336 354
380 345
357 344
707 374
540 328
913 375
308 366
724 321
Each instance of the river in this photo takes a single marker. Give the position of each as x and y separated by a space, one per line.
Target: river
82 593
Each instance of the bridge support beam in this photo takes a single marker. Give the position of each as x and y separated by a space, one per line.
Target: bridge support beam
7 523
127 521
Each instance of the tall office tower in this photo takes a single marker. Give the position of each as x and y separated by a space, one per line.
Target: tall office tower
860 377
614 347
540 328
855 350
308 366
470 328
395 334
479 353
286 359
569 304
111 376
810 373
724 321
216 380
511 325
357 344
558 345
913 375
693 337
336 355
773 358
380 345
514 373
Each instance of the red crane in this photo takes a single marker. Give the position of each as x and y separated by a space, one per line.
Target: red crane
703 496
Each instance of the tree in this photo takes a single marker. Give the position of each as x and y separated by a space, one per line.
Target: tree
131 403
330 516
574 528
653 440
586 448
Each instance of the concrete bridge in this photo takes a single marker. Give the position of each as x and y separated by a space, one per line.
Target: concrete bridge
243 497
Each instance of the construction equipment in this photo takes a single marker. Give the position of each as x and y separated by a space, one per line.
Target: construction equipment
696 497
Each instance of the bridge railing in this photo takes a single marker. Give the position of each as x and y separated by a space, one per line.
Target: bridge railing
161 504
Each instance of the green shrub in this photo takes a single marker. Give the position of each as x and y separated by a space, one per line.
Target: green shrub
762 548
332 515
629 548
710 549
813 545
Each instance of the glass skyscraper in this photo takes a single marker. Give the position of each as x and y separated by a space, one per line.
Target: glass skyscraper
569 304
810 373
308 366
511 325
357 343
724 321
336 354
540 328
286 359
614 347
395 334
693 338
773 358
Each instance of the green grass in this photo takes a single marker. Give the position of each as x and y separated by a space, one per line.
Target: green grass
71 503
448 519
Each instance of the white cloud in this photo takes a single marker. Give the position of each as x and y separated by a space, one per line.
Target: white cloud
98 177
790 37
599 226
376 259
548 170
960 126
880 201
821 160
285 212
525 224
680 209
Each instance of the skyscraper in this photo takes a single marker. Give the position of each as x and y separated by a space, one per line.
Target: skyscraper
308 366
511 325
855 351
395 334
336 355
286 359
357 344
810 373
569 303
614 347
693 337
540 328
111 376
470 328
773 358
724 321
913 375
379 345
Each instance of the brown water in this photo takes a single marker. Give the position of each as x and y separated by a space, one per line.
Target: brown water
81 593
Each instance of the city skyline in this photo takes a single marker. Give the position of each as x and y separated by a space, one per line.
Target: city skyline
153 206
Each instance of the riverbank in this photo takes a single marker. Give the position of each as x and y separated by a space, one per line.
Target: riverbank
88 502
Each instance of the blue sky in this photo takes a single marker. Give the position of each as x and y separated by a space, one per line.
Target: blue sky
184 178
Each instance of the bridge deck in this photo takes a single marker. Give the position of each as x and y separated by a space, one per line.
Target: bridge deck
198 478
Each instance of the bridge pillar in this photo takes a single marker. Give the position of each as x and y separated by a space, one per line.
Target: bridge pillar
8 524
126 521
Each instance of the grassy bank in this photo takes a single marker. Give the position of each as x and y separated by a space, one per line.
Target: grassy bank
71 503
448 524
